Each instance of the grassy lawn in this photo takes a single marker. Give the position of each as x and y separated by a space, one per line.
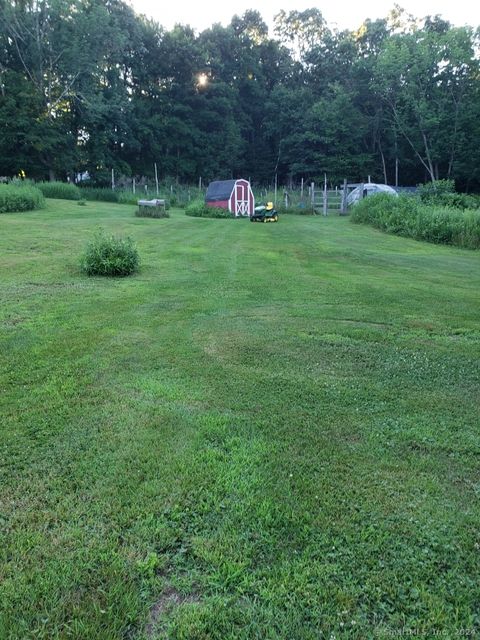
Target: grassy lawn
272 431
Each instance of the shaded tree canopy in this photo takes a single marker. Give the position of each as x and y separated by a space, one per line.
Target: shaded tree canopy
88 85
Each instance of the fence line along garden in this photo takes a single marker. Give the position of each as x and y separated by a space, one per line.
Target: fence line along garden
433 212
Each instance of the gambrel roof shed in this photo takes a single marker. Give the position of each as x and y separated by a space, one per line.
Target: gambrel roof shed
234 195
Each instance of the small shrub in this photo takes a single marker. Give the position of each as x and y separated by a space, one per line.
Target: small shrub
198 209
20 198
59 190
442 193
431 190
110 256
217 212
82 203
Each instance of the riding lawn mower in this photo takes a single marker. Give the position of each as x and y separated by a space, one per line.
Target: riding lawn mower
264 213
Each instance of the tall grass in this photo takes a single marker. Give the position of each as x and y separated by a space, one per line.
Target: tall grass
152 212
99 194
408 217
20 198
108 255
59 190
174 196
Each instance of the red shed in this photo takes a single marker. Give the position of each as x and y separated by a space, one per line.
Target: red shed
234 195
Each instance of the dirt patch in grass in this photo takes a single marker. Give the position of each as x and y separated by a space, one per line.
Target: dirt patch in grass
13 321
170 599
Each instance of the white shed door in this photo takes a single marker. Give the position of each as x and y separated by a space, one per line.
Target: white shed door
241 193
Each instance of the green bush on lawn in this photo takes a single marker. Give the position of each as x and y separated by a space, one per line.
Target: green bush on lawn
20 198
408 217
198 209
110 256
60 190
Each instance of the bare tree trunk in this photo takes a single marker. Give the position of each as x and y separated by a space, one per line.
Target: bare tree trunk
454 141
396 155
430 167
385 178
428 163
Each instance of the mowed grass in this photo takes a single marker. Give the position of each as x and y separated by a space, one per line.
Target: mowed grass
272 431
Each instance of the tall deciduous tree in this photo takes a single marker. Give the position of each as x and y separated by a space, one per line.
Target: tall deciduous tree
426 78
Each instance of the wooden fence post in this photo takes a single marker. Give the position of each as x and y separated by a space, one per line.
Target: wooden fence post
325 197
156 177
343 208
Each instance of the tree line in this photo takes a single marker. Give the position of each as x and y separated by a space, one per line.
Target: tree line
88 85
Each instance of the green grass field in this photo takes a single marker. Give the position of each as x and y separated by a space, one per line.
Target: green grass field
272 431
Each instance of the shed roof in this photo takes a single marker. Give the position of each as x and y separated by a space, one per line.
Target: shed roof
220 190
